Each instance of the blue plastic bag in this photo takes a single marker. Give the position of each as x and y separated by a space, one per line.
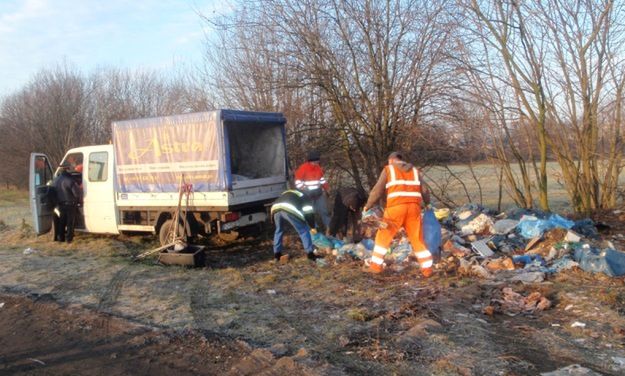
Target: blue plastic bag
528 259
368 243
608 261
321 241
532 228
431 231
336 243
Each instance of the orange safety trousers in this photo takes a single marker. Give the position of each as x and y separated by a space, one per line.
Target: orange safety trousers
407 216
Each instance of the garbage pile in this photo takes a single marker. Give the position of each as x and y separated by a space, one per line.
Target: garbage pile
516 245
400 250
525 245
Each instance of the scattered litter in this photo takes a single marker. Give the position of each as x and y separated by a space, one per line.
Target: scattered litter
559 265
271 292
479 225
578 324
532 228
401 251
609 261
37 361
586 227
500 264
572 237
2 305
469 268
619 362
29 251
568 307
572 370
442 213
374 218
321 262
512 303
325 242
368 244
528 260
534 241
465 215
505 226
529 277
456 249
481 248
556 325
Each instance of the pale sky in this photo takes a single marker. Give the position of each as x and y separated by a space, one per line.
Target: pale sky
87 34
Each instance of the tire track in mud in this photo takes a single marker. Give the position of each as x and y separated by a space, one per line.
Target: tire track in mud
110 296
202 312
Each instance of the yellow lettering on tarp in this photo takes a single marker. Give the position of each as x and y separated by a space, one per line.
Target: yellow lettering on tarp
210 177
159 147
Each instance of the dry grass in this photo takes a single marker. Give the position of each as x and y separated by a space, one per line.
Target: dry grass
487 180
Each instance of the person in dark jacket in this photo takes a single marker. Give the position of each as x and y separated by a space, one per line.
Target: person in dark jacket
295 208
347 207
68 196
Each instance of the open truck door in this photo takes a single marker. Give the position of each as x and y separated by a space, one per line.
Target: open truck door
42 195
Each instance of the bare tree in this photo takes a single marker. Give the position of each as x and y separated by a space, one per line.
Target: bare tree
364 72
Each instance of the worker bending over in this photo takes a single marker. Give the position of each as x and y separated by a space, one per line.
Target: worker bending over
295 208
402 183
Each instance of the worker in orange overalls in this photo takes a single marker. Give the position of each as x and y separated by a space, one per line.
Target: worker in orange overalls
310 179
404 195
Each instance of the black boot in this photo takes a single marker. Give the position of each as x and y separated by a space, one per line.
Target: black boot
312 256
277 256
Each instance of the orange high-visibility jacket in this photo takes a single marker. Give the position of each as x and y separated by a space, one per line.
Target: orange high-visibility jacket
402 187
309 177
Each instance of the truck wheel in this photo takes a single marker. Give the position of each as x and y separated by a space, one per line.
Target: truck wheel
166 234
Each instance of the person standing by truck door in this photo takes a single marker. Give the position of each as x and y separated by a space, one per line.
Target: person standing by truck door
404 195
295 208
310 179
69 195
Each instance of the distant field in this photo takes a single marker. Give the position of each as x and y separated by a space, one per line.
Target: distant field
488 180
14 207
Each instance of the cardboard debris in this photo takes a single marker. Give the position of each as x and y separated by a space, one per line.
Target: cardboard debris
500 264
512 303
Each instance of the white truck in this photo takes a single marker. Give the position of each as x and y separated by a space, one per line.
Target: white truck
235 162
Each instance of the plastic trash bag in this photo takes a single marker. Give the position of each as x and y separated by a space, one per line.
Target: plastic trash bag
586 227
355 251
559 265
401 251
431 231
442 213
528 259
321 241
505 226
374 217
559 221
534 228
336 243
368 244
609 261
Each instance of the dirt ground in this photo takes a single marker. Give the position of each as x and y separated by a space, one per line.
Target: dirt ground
86 308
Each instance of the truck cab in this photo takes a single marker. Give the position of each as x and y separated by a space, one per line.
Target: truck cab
93 169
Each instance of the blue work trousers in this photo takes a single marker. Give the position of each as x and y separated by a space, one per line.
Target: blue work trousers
280 219
321 209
